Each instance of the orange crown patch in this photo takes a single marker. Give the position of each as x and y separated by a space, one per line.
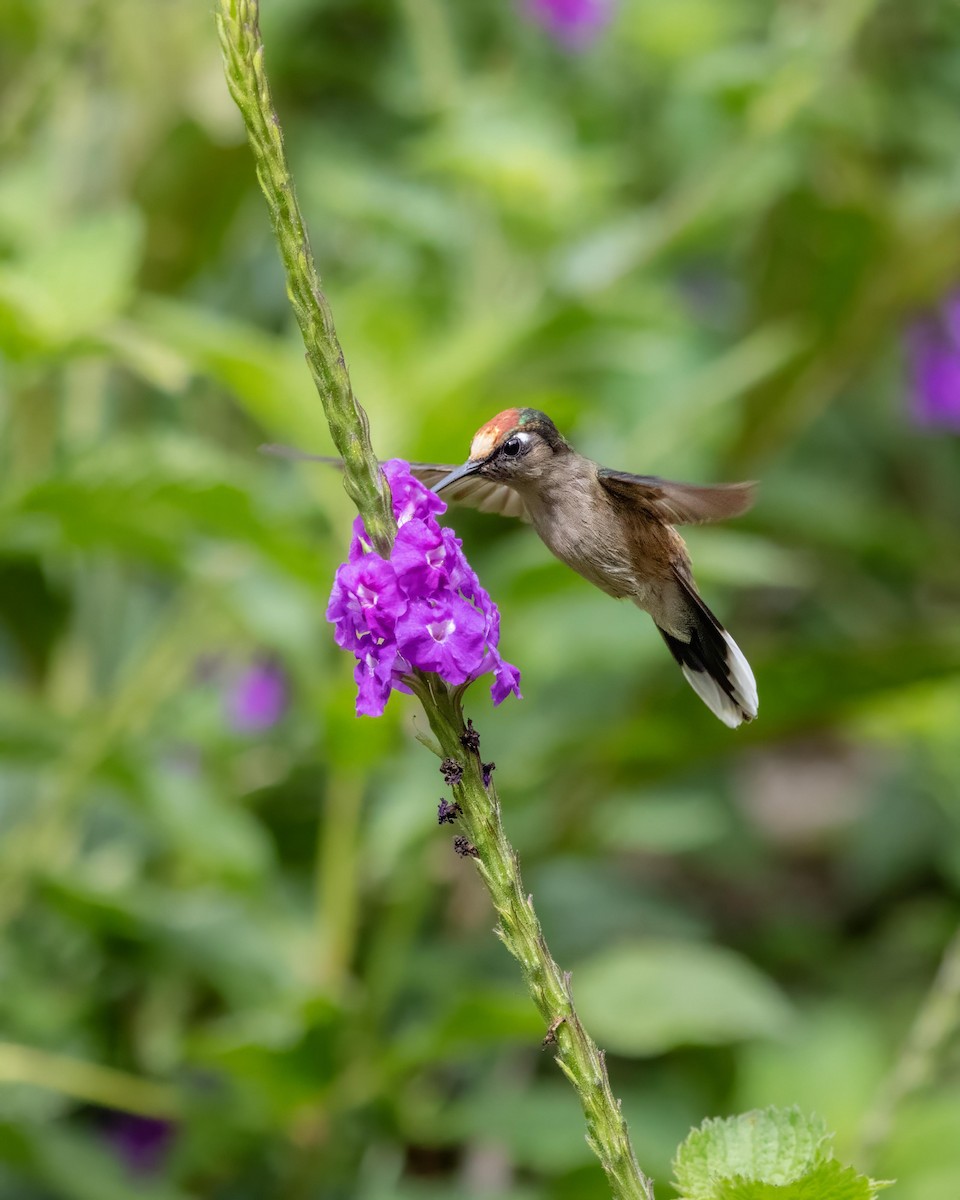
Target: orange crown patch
487 436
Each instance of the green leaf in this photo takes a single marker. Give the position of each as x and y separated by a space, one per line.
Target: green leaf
73 284
206 831
681 30
830 1181
651 996
266 375
768 1154
768 1145
540 1122
250 953
152 498
674 823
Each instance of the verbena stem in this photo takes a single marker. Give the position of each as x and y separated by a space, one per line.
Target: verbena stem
238 22
577 1054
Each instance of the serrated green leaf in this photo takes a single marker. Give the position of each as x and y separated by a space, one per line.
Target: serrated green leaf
768 1154
830 1181
771 1145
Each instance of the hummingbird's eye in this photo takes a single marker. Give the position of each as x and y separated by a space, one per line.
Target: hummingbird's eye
512 447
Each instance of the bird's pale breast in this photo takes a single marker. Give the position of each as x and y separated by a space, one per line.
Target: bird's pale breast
622 553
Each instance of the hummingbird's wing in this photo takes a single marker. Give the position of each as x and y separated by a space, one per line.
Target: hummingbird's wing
471 492
678 503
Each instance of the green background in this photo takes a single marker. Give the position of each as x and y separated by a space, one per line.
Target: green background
697 245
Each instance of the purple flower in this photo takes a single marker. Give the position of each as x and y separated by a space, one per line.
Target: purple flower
360 543
446 635
506 679
365 601
374 677
464 579
411 498
572 23
424 609
420 558
141 1143
462 575
933 347
258 698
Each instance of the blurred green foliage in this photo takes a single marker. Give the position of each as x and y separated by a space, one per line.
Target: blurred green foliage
696 245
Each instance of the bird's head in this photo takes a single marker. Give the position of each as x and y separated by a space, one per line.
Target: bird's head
514 447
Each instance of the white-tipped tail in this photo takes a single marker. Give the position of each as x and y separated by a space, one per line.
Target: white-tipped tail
712 662
733 706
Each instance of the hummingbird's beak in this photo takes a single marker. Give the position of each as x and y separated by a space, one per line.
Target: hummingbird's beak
458 473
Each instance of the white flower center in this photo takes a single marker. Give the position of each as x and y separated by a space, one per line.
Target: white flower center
441 630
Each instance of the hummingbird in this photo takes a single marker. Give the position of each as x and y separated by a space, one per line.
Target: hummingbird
615 529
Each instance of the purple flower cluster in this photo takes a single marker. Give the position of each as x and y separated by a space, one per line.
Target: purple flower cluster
933 345
423 608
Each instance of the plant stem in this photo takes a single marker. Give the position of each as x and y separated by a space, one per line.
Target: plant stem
577 1054
921 1054
238 22
86 1081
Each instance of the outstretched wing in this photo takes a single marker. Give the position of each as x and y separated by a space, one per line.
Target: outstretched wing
679 503
471 492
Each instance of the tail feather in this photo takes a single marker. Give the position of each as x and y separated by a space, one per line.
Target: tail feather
713 663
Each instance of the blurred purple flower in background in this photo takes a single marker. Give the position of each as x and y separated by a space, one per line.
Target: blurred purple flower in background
141 1143
257 697
572 23
933 349
423 608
